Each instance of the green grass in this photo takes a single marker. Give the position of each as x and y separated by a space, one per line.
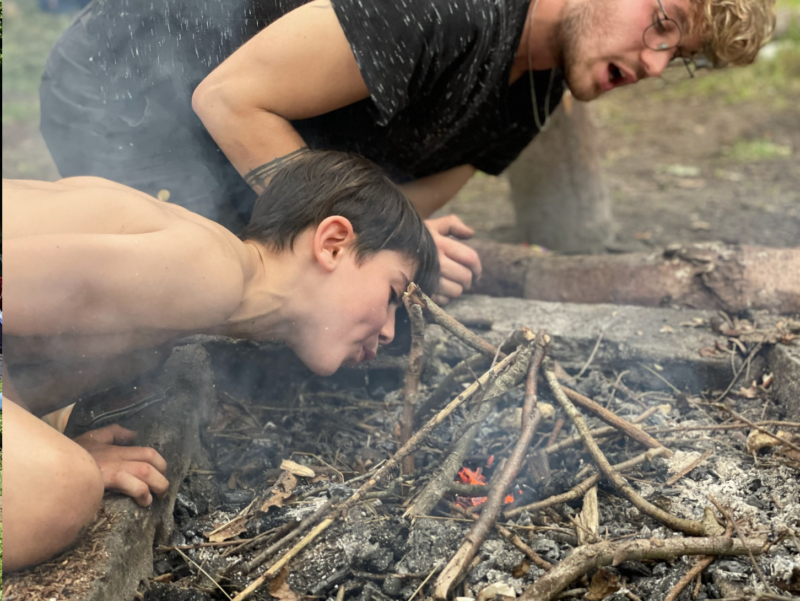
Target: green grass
29 35
748 151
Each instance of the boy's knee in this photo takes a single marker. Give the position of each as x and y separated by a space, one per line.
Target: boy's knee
82 488
40 528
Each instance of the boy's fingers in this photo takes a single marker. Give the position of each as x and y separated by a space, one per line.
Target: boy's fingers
460 252
144 454
113 434
450 288
455 272
136 479
457 228
130 485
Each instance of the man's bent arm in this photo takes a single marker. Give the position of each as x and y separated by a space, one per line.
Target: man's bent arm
431 193
298 67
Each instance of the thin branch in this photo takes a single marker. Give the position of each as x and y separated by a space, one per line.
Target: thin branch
614 420
591 557
702 563
449 323
755 426
440 483
579 490
304 525
690 527
491 508
411 385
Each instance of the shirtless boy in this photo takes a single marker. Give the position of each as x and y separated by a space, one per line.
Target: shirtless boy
102 278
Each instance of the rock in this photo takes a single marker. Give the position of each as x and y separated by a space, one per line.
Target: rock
632 338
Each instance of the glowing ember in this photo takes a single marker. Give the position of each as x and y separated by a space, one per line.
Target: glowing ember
468 476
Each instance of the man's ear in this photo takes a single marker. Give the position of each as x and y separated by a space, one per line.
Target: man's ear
332 237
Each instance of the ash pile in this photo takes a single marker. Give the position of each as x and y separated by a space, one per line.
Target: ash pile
496 463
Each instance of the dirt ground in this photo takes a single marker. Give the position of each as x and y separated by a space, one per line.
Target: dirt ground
709 159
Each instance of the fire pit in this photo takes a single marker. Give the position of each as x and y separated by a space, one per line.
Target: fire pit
298 489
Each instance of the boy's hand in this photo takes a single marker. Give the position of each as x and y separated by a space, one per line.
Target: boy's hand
135 471
459 264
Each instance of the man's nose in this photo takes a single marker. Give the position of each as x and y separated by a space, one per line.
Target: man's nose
654 61
387 331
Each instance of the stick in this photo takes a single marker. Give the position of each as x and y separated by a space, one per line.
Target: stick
729 517
440 483
477 362
482 346
607 416
702 563
510 537
411 385
590 557
578 491
727 409
690 527
449 323
673 479
304 525
276 567
491 508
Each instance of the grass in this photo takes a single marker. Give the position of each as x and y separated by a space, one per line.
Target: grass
747 151
29 35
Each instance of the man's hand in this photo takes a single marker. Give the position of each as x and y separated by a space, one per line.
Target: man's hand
459 264
135 471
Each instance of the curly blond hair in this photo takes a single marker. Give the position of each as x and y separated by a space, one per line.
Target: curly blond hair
734 30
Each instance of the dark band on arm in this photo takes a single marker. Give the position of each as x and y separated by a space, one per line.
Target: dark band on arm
260 176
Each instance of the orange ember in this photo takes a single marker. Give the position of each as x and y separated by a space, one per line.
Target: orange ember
468 476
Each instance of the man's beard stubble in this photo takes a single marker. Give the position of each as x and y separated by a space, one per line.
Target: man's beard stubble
582 20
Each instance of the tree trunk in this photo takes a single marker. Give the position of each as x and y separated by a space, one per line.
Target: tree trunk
557 186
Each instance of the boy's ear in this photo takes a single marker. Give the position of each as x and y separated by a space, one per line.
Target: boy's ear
332 237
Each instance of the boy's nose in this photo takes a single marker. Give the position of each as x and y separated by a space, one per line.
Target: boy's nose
387 331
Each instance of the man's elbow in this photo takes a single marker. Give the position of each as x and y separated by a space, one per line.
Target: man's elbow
204 97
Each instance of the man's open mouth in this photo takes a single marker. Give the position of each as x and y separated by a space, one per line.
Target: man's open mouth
615 75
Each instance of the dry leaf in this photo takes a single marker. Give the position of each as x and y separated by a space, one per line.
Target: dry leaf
749 393
233 528
280 589
297 469
498 590
667 329
791 453
521 569
281 491
708 351
757 440
604 583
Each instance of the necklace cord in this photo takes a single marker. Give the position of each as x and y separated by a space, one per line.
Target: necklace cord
536 119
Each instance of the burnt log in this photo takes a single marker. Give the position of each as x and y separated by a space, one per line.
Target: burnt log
712 276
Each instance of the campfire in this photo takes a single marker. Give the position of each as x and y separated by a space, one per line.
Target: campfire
476 470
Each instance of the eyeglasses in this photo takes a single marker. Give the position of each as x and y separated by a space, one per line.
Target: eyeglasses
663 35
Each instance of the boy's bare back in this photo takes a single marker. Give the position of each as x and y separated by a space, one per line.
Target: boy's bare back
104 276
91 256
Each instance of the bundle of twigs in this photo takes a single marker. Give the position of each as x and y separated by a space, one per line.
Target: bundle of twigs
506 371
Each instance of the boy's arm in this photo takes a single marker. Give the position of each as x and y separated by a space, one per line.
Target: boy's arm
184 277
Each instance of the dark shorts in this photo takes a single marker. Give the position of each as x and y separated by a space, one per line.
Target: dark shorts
151 140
